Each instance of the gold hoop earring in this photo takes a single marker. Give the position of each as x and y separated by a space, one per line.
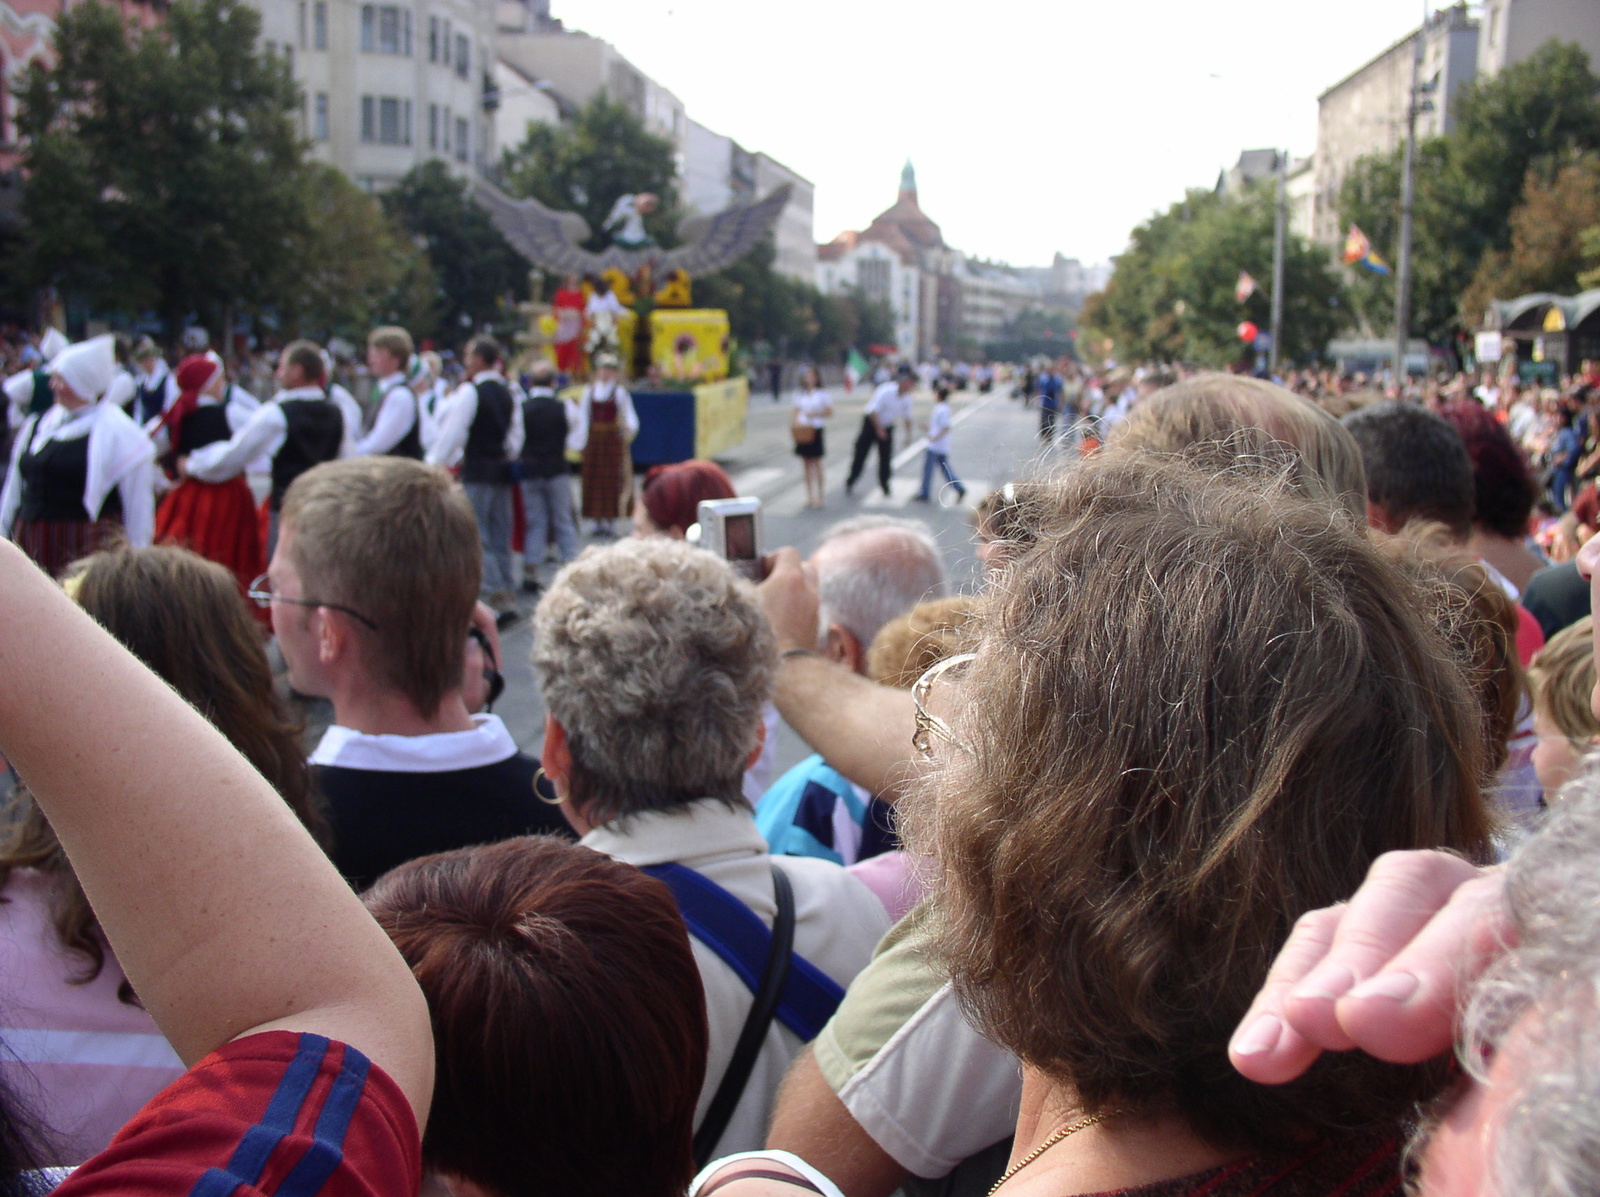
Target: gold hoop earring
538 776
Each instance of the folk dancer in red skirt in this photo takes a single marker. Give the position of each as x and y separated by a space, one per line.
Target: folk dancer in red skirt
303 425
82 471
609 424
214 517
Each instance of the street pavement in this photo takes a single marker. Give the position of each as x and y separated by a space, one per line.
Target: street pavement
994 441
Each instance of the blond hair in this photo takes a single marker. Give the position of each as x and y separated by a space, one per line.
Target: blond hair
393 340
1217 418
908 647
395 540
1562 677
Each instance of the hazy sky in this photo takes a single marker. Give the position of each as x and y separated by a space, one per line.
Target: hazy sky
1034 125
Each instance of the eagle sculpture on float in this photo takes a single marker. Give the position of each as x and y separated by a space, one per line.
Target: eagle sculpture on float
554 240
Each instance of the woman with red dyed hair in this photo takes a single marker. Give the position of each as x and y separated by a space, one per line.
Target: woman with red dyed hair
670 499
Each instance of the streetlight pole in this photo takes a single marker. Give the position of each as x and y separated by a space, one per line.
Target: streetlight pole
1408 194
1280 228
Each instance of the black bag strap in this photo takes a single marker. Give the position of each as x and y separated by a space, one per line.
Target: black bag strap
756 1024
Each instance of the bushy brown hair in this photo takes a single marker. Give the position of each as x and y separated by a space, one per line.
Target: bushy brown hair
906 648
1478 621
1201 707
569 1023
395 540
1237 416
1562 676
184 617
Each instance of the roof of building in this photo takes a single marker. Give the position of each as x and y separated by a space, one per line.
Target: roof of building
905 227
837 248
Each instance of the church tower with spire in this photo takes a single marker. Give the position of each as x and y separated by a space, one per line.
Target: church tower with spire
908 182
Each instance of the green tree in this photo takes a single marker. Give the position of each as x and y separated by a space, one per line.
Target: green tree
1531 117
1035 332
163 170
1171 296
1547 250
586 165
479 275
360 267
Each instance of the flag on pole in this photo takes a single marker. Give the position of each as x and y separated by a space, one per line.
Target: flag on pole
855 369
1245 287
1358 251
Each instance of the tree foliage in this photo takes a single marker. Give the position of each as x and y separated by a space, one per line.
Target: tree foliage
1520 124
479 275
1171 296
1036 332
586 165
360 267
1547 248
163 169
788 315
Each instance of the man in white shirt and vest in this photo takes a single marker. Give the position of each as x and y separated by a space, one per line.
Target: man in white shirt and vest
482 429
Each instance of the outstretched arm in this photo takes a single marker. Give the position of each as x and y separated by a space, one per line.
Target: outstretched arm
226 917
863 729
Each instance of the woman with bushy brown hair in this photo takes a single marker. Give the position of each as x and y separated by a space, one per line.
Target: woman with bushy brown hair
79 1043
1199 708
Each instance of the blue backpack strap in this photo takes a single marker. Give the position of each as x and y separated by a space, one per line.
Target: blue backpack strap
741 941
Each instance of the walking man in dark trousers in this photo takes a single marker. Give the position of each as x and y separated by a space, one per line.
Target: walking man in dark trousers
890 402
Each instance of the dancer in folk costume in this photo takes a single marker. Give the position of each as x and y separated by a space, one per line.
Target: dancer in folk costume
567 306
609 425
80 472
155 389
213 515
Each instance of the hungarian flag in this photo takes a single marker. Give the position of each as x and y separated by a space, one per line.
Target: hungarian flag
1245 287
1358 251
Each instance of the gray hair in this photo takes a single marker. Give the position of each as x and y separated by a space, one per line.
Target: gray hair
1541 1001
655 658
898 565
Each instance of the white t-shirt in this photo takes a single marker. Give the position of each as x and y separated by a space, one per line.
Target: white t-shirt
810 407
939 428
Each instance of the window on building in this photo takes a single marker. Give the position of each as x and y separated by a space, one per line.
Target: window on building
385 120
319 117
463 145
433 39
433 126
288 58
461 55
385 29
319 25
874 276
444 43
300 25
445 126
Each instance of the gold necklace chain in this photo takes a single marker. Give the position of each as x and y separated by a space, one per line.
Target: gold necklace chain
1067 1131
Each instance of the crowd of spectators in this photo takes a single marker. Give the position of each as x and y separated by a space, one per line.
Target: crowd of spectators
1175 860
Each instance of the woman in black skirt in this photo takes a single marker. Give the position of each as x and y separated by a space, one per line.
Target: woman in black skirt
812 407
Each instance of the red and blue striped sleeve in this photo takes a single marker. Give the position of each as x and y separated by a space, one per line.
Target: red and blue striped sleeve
273 1115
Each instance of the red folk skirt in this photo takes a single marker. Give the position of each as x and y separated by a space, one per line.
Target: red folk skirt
218 520
56 544
607 473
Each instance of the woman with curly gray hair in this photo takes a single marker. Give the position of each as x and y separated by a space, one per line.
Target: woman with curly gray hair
654 660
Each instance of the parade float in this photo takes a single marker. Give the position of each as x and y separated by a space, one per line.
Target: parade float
635 299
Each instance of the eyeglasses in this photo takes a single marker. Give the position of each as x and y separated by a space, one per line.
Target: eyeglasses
928 725
491 671
262 595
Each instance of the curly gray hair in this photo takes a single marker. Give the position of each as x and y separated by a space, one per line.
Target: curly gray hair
1541 1000
655 658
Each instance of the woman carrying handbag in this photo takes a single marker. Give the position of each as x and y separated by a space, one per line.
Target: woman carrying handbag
812 407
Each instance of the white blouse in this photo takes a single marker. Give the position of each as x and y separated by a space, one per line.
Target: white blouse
812 408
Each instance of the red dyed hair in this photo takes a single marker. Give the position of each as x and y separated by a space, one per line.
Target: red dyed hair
569 1023
1503 487
672 493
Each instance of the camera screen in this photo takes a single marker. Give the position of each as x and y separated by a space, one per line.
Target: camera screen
740 531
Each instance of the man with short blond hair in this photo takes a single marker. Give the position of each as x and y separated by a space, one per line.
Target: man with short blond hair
397 430
374 584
